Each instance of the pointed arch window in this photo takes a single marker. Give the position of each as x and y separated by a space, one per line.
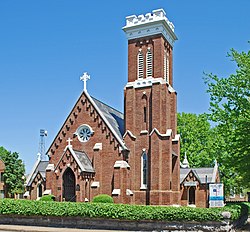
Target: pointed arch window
144 170
140 64
166 66
149 63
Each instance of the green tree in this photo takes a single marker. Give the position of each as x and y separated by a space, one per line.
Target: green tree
197 139
14 172
230 109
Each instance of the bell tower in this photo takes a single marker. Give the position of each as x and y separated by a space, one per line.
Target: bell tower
150 110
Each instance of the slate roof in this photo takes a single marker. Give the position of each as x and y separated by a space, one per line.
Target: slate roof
41 167
85 161
114 117
201 174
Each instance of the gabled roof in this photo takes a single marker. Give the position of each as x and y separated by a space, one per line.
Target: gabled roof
85 161
203 174
111 117
39 167
114 117
81 159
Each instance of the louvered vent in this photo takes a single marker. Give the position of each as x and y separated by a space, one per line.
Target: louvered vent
166 66
149 63
140 65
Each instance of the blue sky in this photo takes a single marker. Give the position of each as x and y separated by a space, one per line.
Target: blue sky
46 45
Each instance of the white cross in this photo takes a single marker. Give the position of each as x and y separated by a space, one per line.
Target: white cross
84 78
69 140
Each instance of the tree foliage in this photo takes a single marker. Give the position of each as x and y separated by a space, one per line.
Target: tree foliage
197 139
14 172
230 109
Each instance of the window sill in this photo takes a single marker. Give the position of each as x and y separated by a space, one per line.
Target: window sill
143 188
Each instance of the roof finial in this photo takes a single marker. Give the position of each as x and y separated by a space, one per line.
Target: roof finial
185 163
84 78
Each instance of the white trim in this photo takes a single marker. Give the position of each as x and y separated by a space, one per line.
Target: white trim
116 192
26 194
176 138
167 134
129 192
144 132
141 83
129 133
121 164
50 167
97 146
47 192
34 167
106 122
95 184
150 24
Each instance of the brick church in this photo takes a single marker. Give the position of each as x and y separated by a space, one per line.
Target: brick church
135 157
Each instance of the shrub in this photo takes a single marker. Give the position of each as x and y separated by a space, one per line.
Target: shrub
103 198
117 211
47 198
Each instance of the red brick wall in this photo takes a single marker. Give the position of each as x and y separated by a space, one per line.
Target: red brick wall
163 183
103 160
157 44
33 189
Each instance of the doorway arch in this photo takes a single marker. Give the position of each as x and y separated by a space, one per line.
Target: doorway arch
69 185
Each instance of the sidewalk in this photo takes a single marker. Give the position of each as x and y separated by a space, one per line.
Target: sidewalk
21 228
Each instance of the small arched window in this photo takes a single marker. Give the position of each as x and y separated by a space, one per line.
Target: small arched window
149 63
144 170
140 65
166 66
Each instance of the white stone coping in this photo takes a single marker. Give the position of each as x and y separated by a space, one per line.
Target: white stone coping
95 184
50 167
26 194
121 164
116 192
150 24
155 16
144 132
191 183
128 132
47 192
167 134
129 192
149 81
97 146
176 138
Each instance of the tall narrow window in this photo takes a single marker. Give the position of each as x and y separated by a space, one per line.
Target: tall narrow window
145 113
149 63
166 66
140 66
144 170
1 177
39 190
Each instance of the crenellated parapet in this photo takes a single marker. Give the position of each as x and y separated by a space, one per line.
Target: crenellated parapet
150 24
